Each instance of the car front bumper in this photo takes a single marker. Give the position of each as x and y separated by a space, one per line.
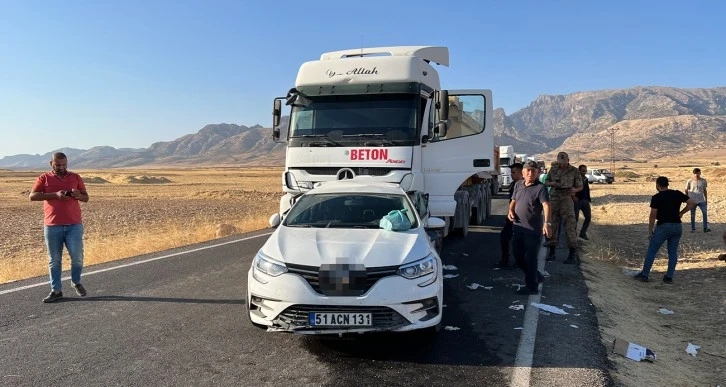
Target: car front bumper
396 304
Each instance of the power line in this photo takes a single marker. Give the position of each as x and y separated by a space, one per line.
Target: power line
611 132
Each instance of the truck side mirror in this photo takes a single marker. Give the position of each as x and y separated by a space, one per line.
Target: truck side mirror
276 114
442 104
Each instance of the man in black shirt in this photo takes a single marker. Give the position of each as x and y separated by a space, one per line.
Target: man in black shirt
583 203
664 208
505 236
529 211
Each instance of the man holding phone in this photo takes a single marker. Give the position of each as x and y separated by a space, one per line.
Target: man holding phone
61 191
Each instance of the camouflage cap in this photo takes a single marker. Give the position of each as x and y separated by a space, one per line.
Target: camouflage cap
530 164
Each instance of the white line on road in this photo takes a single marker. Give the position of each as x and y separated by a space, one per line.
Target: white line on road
525 351
136 263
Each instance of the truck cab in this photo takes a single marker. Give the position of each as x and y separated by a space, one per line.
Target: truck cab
380 114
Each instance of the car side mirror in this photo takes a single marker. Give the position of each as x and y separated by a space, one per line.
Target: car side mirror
274 220
435 223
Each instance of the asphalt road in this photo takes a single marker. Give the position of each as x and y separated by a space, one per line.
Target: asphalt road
180 320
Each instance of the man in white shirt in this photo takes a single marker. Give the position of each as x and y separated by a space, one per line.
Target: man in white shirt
696 189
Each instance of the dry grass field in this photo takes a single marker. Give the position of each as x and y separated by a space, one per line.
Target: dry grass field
133 212
629 309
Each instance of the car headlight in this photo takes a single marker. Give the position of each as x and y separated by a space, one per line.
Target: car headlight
419 268
267 265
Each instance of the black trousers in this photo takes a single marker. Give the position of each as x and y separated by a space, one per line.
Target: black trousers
525 247
505 237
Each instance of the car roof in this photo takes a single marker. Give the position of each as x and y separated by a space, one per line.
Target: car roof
353 186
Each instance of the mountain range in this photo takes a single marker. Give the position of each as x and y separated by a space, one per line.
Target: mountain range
647 122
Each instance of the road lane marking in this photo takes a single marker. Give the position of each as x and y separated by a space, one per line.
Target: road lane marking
13 290
525 350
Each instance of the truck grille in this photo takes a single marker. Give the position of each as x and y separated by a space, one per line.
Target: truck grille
383 317
322 171
311 274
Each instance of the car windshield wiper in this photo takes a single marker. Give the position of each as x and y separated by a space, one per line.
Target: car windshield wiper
325 137
376 136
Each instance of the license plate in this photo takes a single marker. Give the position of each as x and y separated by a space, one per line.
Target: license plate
341 319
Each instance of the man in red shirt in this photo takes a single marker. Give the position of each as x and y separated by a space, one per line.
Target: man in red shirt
61 191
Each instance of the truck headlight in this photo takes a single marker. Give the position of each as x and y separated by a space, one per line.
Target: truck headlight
268 266
419 268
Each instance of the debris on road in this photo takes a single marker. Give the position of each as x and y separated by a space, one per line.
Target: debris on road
692 349
549 308
631 272
473 286
665 311
450 275
488 287
568 306
450 267
574 326
632 351
518 328
516 307
450 328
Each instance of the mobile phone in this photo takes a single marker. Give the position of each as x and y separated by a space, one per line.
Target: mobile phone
69 193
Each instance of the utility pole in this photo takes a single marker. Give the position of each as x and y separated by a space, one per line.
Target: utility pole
611 132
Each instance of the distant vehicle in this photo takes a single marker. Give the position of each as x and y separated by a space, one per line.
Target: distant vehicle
330 268
601 176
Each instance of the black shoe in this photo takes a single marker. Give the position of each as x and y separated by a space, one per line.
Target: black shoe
584 236
706 230
526 291
572 257
53 296
80 290
550 253
641 277
668 280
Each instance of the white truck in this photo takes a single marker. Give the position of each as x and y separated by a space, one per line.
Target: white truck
507 157
380 114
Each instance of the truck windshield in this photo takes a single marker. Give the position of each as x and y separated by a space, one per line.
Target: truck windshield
354 120
505 161
346 210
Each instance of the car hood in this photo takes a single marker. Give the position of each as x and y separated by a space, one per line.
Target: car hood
370 247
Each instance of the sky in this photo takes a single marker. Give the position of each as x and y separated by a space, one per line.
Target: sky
130 73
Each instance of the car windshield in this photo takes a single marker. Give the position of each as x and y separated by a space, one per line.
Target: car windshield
346 120
347 210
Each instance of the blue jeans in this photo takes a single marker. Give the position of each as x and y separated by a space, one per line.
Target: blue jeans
667 232
525 248
704 214
72 237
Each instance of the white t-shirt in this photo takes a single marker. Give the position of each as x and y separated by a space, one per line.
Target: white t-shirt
696 189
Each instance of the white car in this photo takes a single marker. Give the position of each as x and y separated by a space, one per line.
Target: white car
329 268
601 176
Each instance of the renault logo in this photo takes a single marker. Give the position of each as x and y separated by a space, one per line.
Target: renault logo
345 174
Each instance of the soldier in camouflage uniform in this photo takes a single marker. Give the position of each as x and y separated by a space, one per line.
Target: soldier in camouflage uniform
565 181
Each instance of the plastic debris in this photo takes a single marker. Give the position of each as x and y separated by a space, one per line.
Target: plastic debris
692 349
519 328
516 307
574 326
496 268
549 308
488 287
450 267
568 306
450 275
465 254
665 311
473 286
450 328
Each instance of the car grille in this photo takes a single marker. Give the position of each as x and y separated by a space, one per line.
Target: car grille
373 274
383 317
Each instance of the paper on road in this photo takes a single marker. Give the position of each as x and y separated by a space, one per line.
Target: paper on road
549 308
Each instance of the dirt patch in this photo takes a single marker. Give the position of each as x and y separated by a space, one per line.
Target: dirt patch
95 180
137 179
629 309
